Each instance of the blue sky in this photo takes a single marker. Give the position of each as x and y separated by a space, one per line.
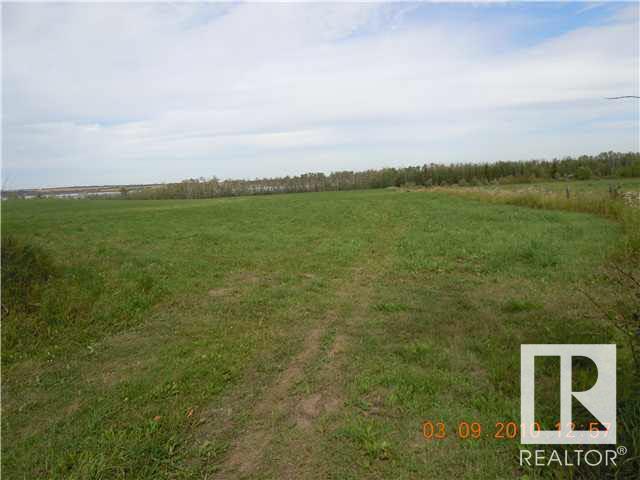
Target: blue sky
126 93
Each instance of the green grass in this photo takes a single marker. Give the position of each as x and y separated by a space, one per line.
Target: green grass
290 336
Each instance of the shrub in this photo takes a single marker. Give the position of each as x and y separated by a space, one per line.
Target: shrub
583 173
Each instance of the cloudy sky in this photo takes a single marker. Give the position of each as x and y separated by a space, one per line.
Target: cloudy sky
125 93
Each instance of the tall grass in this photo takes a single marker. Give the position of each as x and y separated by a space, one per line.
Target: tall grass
623 208
620 277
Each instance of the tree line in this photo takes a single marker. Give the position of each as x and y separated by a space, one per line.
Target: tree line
606 164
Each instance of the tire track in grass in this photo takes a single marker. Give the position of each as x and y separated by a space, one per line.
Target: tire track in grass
246 453
301 448
285 436
293 418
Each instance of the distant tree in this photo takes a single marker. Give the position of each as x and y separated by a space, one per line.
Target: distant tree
583 173
606 164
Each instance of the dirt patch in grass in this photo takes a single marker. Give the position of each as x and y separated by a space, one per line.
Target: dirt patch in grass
275 396
247 454
330 398
220 292
308 409
338 347
247 277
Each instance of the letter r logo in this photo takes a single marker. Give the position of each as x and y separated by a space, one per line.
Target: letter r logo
600 399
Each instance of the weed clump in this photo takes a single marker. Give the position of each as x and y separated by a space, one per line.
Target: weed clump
518 306
26 269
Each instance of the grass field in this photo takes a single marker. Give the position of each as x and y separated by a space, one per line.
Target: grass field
289 336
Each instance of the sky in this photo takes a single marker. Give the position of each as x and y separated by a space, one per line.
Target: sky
123 93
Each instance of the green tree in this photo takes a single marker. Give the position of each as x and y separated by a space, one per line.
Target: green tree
583 173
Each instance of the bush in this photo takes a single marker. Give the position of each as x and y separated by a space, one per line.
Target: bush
583 173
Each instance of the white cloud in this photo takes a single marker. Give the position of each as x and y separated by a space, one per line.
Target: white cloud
148 92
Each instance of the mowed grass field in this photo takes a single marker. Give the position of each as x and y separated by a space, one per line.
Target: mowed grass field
288 336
